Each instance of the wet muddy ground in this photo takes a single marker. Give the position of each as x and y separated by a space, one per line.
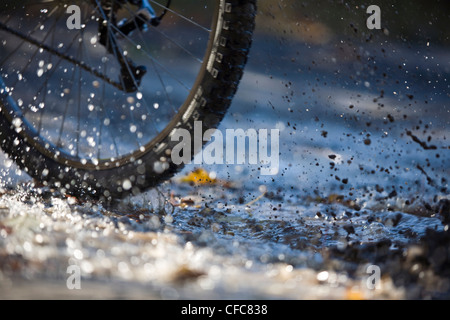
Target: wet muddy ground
215 241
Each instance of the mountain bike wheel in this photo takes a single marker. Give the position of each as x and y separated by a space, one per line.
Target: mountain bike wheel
90 98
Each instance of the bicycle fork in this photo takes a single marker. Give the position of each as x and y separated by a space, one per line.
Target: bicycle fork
130 74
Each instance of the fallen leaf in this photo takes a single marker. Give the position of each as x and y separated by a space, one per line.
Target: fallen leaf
198 176
354 293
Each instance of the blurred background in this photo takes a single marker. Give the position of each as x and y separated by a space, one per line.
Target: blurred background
352 103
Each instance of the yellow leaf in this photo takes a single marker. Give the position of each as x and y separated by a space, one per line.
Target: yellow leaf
354 293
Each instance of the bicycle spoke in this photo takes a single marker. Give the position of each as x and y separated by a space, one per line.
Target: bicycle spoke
43 2
133 14
154 60
108 114
50 74
29 34
116 29
61 128
119 52
78 131
13 53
